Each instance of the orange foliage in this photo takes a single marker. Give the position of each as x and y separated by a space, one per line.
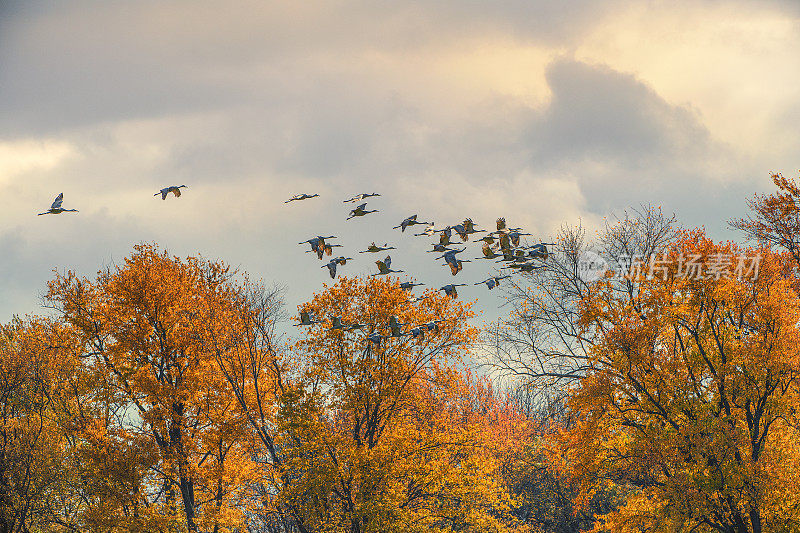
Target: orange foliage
689 404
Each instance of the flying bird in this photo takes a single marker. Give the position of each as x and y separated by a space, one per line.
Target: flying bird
430 231
174 189
450 289
396 327
306 319
411 221
333 263
361 196
451 260
360 211
384 267
492 282
375 338
408 285
489 251
525 267
318 244
539 251
433 325
372 248
56 208
299 197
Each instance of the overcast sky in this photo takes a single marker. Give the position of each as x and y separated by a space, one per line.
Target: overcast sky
543 112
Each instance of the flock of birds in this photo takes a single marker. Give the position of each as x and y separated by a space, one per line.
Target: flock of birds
503 245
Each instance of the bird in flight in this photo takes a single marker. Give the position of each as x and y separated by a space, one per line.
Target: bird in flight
450 289
307 320
300 197
385 267
492 282
360 211
372 248
361 196
56 208
174 189
411 221
408 285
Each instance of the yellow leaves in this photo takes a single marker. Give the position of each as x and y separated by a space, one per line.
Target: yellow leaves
684 402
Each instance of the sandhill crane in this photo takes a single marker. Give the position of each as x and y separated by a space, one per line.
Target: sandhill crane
539 251
174 189
501 224
433 325
317 244
514 236
417 332
450 289
362 196
307 320
384 267
372 248
355 326
327 249
55 207
525 267
336 323
411 221
396 327
513 256
439 248
430 231
489 252
454 263
375 338
303 196
360 211
444 235
331 266
408 285
469 226
492 282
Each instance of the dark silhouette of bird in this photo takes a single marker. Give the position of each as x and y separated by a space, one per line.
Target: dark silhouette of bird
360 211
384 267
372 248
306 319
489 251
318 244
55 207
301 197
452 261
408 285
417 332
492 282
539 251
336 323
525 267
174 189
411 221
375 338
396 327
450 289
433 325
361 196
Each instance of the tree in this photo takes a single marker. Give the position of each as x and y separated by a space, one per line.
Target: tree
166 430
391 436
35 459
776 217
689 405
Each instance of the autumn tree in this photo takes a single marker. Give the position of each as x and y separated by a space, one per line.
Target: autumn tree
36 459
391 435
689 403
775 218
171 432
541 346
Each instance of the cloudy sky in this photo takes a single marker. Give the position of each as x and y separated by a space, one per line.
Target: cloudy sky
543 112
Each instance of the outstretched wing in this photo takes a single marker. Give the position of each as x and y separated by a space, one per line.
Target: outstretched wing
57 202
177 191
388 262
